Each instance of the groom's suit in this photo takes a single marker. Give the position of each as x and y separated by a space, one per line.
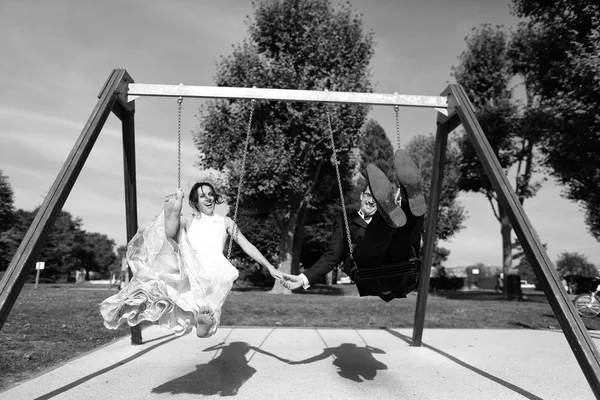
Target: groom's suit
375 243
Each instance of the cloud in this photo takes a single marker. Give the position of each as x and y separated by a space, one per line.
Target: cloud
56 63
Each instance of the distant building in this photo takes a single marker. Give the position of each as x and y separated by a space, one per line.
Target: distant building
459 272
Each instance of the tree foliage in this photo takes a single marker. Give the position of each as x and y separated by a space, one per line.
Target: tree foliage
97 252
66 249
493 59
573 263
440 256
292 44
61 250
7 217
376 148
564 59
7 208
260 229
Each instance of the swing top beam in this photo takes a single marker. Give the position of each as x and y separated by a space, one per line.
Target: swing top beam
136 90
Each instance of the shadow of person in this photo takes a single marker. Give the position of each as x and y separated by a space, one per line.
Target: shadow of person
223 375
354 363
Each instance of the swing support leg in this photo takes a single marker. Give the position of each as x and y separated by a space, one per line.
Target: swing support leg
444 127
577 336
126 111
26 255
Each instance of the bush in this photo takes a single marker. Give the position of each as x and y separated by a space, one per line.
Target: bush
446 283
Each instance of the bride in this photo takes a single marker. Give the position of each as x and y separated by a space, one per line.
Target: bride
181 277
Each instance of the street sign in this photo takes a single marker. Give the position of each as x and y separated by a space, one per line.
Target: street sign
38 266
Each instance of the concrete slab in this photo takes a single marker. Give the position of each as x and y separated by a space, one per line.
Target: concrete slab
309 363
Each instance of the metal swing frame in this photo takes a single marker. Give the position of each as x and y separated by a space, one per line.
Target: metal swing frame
454 108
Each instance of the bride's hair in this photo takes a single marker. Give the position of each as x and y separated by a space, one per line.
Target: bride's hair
194 194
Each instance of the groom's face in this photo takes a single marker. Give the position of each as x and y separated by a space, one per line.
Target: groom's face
367 203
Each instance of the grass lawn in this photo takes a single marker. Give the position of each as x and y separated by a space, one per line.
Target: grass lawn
55 323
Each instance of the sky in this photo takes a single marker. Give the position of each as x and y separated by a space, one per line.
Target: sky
56 55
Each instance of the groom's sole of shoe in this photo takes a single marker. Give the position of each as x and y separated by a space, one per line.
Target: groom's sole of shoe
384 194
410 177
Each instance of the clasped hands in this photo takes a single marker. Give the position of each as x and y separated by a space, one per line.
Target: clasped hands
288 281
291 282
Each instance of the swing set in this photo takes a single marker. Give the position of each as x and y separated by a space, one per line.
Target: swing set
454 108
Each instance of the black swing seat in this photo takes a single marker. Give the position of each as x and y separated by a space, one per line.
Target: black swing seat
375 280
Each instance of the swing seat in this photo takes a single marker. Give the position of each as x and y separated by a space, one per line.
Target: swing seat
377 280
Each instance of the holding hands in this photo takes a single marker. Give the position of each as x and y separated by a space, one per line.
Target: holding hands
275 273
291 281
288 281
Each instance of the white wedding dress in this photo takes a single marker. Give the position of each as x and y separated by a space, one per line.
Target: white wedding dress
172 286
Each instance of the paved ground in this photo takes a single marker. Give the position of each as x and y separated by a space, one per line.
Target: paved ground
305 363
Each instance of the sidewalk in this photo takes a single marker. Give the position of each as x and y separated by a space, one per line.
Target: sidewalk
253 363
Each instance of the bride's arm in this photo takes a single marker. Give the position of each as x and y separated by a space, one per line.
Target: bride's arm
250 249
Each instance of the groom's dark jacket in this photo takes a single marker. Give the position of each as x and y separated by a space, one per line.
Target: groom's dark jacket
338 250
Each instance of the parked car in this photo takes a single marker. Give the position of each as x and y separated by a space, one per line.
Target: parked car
526 285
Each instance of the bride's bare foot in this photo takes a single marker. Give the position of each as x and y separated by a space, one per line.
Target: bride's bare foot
205 319
173 205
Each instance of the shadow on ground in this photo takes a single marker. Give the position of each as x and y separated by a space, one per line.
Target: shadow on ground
353 362
226 373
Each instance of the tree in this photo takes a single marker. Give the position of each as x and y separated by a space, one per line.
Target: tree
7 217
12 237
564 57
293 44
486 69
7 208
260 229
575 264
97 253
376 148
62 249
440 256
592 220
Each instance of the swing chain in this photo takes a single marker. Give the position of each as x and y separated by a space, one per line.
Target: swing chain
240 183
339 179
397 111
179 102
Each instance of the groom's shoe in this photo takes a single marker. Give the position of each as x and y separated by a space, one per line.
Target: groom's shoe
410 177
387 197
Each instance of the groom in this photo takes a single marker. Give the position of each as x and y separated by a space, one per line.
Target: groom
386 229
